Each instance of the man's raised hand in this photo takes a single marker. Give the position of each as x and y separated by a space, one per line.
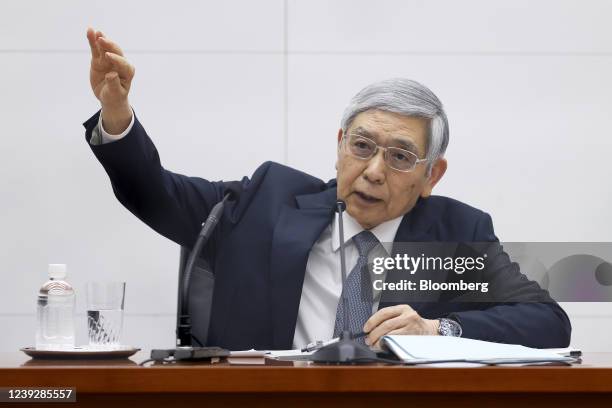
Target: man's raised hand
110 76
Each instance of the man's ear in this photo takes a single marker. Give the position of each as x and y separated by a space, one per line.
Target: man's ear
339 140
437 171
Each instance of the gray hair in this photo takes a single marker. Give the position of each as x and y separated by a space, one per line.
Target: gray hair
405 97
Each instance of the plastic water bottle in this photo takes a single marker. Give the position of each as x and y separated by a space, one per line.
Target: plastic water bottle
55 313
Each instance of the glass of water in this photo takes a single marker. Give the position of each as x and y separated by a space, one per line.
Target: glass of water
105 302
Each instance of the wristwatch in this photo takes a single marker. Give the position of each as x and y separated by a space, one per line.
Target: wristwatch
449 327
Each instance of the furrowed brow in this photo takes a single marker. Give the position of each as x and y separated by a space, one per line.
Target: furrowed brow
361 131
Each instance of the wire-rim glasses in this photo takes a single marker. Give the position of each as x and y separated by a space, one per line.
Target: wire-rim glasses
396 158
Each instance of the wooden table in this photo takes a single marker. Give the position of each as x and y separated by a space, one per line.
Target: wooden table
101 383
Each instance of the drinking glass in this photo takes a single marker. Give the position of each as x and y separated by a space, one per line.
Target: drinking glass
105 301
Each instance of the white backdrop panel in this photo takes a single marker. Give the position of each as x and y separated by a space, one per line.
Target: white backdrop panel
179 25
450 26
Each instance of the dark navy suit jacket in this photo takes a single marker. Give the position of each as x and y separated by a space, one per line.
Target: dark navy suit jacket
260 247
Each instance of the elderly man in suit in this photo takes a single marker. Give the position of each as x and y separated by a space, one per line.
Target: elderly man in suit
275 253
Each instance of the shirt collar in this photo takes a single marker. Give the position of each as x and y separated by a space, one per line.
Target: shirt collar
384 232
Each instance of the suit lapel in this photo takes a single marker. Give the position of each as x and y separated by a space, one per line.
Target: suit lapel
295 232
416 226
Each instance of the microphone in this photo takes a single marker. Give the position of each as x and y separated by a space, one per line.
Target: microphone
184 350
183 329
346 349
340 208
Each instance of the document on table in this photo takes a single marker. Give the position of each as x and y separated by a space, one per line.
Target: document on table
248 353
268 353
437 349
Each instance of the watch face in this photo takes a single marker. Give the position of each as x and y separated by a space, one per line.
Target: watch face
450 328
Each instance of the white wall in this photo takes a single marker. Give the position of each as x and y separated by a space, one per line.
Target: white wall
526 85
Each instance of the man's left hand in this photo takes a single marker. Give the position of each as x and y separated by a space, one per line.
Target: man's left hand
399 319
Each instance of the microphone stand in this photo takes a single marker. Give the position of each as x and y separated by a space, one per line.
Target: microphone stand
346 350
183 324
184 349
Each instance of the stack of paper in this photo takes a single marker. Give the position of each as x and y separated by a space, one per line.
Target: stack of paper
433 349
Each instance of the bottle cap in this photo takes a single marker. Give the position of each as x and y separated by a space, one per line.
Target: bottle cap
57 271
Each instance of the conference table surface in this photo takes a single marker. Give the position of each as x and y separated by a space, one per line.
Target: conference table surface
266 382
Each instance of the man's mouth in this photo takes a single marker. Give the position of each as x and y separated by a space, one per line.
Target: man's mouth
367 198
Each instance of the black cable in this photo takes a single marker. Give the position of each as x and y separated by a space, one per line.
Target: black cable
164 361
148 360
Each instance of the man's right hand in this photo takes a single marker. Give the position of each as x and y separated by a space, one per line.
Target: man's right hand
110 76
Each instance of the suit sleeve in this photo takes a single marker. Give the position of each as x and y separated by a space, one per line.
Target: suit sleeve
521 312
172 204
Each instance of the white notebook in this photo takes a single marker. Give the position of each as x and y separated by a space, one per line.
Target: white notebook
421 349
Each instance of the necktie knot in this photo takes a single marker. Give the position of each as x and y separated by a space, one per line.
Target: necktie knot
365 241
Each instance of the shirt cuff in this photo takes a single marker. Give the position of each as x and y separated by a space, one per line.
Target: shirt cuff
107 137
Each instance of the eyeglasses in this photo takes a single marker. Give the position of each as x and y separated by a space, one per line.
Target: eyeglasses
363 148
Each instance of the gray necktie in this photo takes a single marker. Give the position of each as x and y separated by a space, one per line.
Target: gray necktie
357 288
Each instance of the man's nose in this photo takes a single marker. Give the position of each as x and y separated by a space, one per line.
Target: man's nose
375 171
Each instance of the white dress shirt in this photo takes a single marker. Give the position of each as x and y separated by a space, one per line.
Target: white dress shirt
323 278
